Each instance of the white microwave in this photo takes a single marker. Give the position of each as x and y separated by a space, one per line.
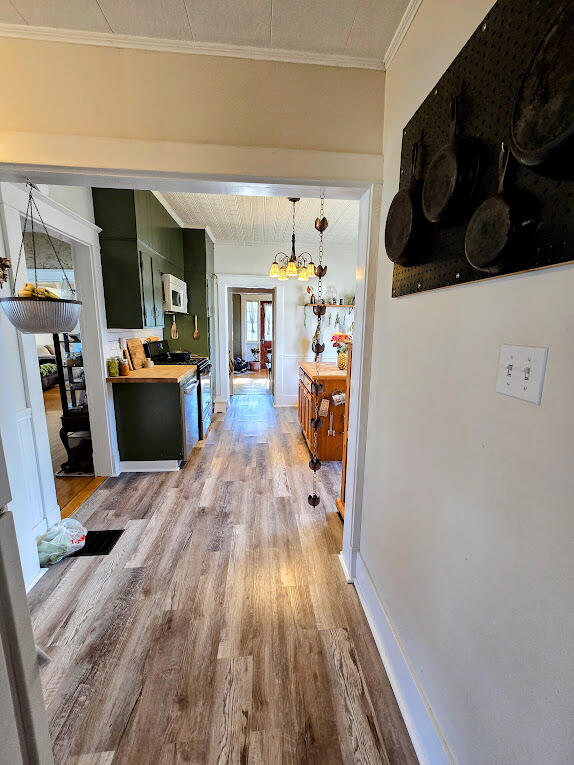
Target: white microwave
174 294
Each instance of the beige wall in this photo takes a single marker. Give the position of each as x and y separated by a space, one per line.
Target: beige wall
468 518
53 89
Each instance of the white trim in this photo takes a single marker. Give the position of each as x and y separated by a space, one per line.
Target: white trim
365 294
265 284
166 45
428 741
168 208
182 166
286 399
36 579
349 579
149 466
402 29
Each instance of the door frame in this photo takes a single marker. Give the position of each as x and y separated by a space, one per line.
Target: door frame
368 192
83 237
226 283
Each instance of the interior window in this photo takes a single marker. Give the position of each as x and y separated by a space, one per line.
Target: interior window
251 321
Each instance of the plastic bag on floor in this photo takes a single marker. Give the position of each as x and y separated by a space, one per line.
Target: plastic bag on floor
61 539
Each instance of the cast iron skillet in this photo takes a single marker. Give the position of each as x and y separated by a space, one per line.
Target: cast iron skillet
451 177
493 231
404 218
542 125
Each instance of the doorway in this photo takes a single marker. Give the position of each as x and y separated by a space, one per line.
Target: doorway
62 376
251 329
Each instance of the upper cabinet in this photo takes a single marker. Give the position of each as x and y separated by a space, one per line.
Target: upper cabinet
139 241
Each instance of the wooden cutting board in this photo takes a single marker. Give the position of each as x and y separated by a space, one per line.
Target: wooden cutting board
136 351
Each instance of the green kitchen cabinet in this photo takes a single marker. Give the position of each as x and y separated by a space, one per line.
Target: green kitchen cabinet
198 260
139 242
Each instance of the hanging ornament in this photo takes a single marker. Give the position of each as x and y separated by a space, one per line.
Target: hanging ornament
37 310
318 346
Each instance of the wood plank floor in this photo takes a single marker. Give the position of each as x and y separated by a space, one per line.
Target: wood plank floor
220 629
70 488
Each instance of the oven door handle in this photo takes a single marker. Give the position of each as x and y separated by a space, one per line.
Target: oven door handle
190 386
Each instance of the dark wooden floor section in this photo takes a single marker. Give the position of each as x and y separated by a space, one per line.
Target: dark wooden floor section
220 629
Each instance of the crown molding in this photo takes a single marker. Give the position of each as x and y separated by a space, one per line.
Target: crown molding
402 29
163 45
168 208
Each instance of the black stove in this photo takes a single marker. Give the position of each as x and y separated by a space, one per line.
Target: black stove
158 351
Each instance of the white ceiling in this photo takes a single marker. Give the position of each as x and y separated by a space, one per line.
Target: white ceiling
264 220
358 29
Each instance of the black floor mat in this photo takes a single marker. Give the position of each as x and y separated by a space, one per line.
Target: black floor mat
99 542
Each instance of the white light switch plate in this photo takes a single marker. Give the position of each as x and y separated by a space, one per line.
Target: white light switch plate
521 372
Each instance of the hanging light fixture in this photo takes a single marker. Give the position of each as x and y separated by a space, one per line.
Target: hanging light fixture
274 270
36 310
285 267
318 347
311 270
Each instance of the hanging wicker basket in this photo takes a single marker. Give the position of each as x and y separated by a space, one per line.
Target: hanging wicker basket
36 310
33 315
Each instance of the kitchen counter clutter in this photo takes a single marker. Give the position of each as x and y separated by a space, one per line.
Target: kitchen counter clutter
330 434
176 373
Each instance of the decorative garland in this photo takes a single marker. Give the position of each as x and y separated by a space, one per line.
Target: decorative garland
318 347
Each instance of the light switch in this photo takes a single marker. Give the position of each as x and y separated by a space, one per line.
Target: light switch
521 372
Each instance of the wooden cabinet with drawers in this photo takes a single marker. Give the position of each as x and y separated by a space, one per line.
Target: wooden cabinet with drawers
329 447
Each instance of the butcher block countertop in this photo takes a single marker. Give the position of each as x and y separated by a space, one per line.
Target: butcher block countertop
164 373
328 370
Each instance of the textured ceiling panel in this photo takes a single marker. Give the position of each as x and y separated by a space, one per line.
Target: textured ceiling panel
356 28
79 14
235 22
312 24
265 220
9 14
151 18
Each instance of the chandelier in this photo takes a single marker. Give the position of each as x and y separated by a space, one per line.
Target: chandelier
285 267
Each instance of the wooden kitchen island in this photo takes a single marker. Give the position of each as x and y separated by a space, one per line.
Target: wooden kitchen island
329 447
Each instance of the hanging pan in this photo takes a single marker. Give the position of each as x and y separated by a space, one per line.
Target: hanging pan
451 177
494 230
542 124
404 219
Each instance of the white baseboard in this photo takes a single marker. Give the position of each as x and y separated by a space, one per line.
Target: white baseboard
149 466
428 742
343 563
286 399
36 579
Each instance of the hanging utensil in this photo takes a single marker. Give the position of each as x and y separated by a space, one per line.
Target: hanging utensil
195 331
405 218
492 231
452 174
174 334
542 124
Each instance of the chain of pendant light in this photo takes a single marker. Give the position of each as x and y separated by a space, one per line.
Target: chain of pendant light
318 347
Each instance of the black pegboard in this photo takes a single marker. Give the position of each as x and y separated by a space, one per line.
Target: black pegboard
491 65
